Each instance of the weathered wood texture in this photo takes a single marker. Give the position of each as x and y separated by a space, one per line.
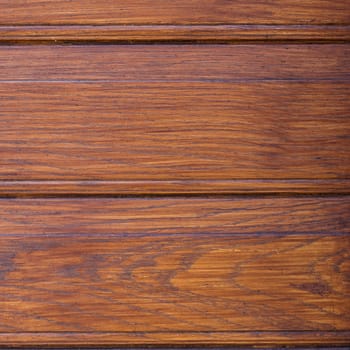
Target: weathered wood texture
175 270
174 12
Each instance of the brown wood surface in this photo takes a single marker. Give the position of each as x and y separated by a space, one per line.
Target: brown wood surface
183 33
256 339
173 63
149 216
179 119
174 130
175 270
100 188
174 12
174 173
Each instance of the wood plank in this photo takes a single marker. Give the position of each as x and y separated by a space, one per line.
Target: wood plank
162 271
313 340
174 12
184 33
249 215
164 63
174 131
105 188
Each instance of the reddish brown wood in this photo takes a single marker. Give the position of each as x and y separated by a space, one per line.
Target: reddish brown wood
255 339
174 63
174 215
164 187
264 117
174 12
159 33
174 131
228 266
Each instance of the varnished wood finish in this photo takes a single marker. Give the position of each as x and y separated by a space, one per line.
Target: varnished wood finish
227 285
151 216
174 173
203 119
174 131
174 12
183 33
176 63
229 265
99 188
256 339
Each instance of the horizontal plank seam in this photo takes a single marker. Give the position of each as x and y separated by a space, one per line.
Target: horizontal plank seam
183 25
182 331
11 188
169 80
189 180
176 234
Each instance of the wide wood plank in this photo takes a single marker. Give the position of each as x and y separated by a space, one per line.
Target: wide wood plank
174 131
164 63
174 12
177 270
326 215
176 283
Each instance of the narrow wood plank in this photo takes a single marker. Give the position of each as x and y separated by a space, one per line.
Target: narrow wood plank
174 12
187 33
174 131
61 188
311 339
163 271
164 63
174 215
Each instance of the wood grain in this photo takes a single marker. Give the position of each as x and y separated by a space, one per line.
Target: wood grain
191 189
99 188
164 63
174 131
311 339
174 12
136 127
183 33
154 271
175 270
43 217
